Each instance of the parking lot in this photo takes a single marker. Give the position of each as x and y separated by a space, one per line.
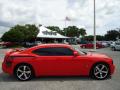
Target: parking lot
64 83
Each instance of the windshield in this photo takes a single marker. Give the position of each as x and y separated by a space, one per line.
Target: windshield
79 51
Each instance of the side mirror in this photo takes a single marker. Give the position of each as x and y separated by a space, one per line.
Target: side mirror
76 53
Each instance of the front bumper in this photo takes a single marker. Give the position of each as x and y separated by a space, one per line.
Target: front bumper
112 69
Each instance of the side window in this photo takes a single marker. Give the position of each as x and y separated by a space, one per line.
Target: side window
43 51
60 51
54 51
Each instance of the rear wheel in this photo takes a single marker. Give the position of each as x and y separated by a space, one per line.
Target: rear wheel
23 72
100 71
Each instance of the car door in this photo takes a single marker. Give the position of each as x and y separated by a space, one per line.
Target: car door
57 61
89 45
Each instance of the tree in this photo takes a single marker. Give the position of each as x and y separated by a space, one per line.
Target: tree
73 31
112 35
100 38
88 38
20 33
13 36
30 32
82 32
55 28
70 31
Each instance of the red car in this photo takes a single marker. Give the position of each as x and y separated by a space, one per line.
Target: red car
56 60
7 44
91 45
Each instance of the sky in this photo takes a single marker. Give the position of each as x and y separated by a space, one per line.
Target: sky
53 12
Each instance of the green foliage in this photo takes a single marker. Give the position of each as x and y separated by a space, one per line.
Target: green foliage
73 31
55 28
82 32
21 33
100 38
112 35
70 31
13 36
88 38
30 32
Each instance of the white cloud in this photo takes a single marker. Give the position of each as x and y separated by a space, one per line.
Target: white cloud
107 11
53 12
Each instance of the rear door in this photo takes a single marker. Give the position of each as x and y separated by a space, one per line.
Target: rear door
57 61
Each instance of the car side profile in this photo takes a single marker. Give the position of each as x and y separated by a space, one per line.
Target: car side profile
56 60
91 45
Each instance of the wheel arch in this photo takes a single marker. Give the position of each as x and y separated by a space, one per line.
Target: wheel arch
100 62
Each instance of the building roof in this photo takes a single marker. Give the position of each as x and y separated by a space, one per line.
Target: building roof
47 33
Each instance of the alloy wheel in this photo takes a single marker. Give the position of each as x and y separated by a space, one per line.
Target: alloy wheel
101 71
23 72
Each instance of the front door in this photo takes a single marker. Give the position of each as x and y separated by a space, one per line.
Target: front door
57 61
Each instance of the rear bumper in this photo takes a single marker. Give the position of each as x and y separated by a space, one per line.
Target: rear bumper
7 69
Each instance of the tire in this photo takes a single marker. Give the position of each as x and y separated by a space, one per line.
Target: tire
23 72
100 71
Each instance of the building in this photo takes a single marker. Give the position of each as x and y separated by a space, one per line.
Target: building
46 35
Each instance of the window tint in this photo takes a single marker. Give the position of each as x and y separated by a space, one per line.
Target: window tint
54 51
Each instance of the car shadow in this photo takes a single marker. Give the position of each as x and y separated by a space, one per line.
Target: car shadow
7 78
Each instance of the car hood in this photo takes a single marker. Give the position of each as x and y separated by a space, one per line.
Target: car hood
97 55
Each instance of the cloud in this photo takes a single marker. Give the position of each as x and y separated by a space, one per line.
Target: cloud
106 13
53 12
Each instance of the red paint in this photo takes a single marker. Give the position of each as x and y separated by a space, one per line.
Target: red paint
90 45
7 44
55 65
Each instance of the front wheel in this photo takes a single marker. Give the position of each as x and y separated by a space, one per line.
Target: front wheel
100 71
23 72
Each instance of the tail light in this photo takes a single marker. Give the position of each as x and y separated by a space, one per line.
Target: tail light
8 61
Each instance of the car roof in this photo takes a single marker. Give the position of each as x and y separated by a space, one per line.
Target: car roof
53 45
46 45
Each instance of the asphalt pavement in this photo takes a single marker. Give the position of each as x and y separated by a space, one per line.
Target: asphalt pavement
64 83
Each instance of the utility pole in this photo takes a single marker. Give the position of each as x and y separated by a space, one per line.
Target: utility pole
94 25
65 27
